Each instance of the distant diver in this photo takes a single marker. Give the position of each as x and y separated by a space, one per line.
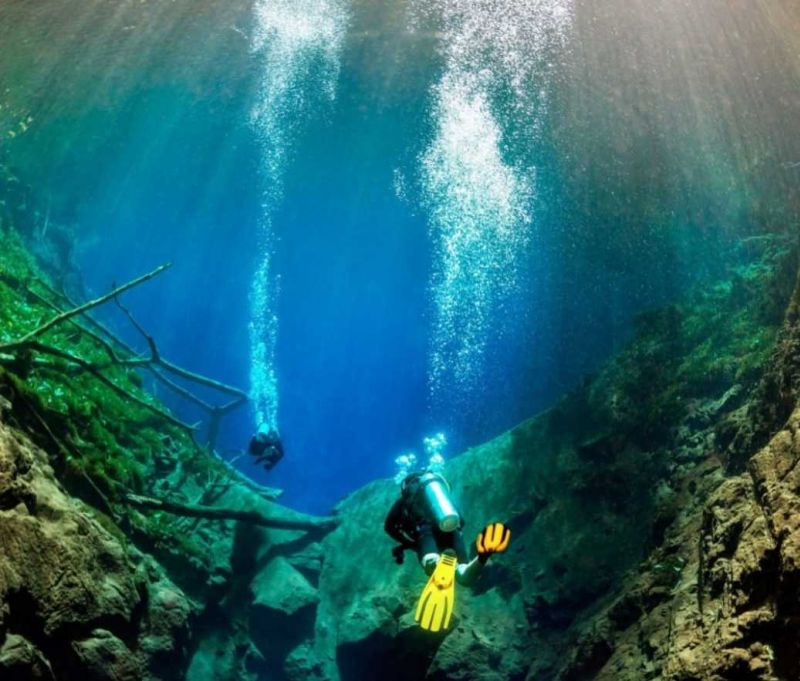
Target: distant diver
266 447
424 519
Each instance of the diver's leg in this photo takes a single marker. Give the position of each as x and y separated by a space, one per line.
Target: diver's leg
427 551
457 544
468 573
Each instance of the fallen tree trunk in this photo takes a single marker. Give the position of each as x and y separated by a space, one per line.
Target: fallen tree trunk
110 343
216 513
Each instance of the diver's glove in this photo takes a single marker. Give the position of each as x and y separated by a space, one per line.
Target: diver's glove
494 539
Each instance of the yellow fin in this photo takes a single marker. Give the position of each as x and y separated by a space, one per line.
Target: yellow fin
435 605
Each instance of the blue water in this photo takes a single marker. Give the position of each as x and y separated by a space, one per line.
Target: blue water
392 136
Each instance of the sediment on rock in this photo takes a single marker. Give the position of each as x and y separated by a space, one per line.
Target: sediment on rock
77 602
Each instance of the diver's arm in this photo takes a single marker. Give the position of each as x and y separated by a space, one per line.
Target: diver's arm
467 573
392 524
493 539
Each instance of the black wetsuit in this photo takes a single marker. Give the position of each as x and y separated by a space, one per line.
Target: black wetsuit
408 524
266 448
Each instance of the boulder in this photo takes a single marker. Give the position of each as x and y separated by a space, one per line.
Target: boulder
20 660
282 611
75 601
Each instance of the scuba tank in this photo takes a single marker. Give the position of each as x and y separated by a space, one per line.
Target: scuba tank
435 491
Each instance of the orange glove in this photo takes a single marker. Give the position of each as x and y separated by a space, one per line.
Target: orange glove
494 539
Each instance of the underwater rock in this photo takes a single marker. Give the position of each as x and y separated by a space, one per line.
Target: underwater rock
751 426
731 609
20 660
263 600
104 657
302 663
221 654
282 611
608 495
72 599
280 591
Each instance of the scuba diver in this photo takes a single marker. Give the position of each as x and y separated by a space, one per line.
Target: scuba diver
266 447
424 519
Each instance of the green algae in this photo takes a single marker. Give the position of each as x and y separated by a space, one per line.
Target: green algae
719 337
103 445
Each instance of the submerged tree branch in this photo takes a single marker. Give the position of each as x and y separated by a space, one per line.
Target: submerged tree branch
121 354
157 359
269 493
58 319
111 339
62 354
217 513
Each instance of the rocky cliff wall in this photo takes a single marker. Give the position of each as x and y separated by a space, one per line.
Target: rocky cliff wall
653 514
76 600
638 549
